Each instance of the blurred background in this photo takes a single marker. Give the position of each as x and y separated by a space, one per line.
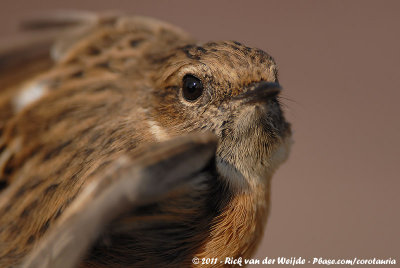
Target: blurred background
338 194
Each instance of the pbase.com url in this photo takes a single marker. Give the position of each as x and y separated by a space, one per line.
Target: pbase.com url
292 261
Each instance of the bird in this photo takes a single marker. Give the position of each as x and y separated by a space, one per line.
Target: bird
125 142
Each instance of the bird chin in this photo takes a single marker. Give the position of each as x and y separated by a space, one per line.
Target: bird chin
252 153
281 153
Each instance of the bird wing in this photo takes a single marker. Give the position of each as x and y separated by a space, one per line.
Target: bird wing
127 184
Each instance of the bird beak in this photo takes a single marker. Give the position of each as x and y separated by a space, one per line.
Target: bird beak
262 92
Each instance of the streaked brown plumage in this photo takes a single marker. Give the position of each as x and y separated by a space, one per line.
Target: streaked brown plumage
116 88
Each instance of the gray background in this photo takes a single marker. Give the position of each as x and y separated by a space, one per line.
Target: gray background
338 195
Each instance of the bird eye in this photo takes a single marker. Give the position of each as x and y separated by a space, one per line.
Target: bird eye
192 88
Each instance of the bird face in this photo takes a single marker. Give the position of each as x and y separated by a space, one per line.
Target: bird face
231 90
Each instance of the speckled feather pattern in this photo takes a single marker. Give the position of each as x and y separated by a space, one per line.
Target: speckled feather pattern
114 88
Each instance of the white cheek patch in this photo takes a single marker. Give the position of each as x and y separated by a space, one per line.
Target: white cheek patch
28 95
158 132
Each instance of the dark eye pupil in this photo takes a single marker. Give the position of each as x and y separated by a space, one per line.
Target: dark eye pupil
192 87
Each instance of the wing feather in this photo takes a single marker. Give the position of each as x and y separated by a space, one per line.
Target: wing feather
126 185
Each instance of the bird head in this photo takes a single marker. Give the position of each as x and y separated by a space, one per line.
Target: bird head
233 91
